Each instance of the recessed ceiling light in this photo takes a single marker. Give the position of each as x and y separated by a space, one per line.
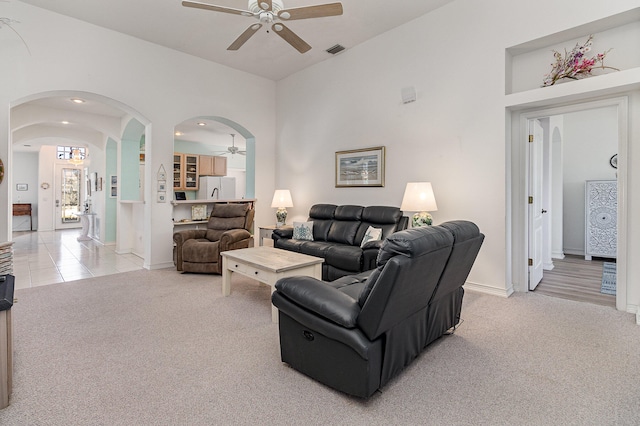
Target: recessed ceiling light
200 123
65 122
178 133
77 100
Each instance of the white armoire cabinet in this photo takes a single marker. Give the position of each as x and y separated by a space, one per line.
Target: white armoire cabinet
601 218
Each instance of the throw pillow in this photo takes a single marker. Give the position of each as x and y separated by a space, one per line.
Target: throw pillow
303 231
372 234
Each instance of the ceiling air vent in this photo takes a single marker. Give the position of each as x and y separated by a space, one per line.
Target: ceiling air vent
335 49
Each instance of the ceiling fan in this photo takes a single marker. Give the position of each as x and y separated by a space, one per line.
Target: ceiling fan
273 12
233 149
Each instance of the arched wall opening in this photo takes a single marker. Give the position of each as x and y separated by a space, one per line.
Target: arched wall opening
97 122
191 132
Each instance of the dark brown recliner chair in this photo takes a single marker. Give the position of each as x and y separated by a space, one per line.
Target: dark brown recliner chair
198 250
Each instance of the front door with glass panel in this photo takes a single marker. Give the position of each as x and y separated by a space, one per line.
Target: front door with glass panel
70 196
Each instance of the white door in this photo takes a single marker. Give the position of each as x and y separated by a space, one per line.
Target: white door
536 209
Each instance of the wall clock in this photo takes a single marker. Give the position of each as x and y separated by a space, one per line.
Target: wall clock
613 161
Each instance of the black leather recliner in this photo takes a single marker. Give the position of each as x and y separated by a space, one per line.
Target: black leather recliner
356 333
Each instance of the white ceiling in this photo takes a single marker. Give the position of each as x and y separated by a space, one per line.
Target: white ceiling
207 34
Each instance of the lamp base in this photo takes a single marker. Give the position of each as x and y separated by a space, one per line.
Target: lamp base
281 217
421 219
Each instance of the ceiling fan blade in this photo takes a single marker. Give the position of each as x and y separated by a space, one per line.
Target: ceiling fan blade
319 11
290 37
265 5
206 6
246 35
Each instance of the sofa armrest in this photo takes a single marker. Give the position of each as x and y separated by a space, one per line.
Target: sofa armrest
370 254
180 237
282 233
231 239
320 298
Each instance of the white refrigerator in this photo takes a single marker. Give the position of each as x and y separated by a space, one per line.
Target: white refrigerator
217 188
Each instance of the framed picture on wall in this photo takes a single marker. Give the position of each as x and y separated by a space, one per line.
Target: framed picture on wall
360 167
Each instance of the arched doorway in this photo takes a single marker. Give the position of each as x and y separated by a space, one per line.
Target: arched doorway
83 119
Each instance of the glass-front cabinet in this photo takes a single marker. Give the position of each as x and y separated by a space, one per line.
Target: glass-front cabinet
185 172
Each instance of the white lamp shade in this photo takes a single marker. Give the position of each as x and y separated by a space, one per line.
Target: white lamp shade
418 197
282 198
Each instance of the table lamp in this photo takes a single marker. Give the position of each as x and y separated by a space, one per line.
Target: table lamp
418 197
281 200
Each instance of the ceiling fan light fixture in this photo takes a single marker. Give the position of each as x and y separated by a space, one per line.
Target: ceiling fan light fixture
278 27
256 7
285 15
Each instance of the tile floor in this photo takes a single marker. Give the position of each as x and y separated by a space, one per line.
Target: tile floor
50 257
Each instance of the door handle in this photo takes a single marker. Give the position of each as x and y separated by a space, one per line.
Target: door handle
544 211
57 203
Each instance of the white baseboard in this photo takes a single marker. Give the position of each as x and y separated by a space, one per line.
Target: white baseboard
160 266
486 289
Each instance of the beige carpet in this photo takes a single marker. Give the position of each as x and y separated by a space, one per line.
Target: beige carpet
162 348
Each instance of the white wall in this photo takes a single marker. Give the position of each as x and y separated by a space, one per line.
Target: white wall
453 136
162 87
22 168
590 139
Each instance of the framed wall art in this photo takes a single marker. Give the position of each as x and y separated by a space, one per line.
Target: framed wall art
360 167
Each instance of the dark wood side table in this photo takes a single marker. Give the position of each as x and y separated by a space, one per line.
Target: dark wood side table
24 210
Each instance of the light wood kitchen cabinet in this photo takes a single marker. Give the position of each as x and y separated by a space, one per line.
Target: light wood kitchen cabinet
212 165
185 171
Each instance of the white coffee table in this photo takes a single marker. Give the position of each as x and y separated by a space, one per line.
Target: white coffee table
267 265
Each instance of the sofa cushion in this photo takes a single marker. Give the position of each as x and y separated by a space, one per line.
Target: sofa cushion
414 241
383 217
303 231
200 251
322 216
344 257
343 232
315 248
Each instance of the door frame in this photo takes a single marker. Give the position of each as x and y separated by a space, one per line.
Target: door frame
535 220
519 180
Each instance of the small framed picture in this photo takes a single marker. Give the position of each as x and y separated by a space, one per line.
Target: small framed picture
113 186
198 212
162 197
162 185
22 187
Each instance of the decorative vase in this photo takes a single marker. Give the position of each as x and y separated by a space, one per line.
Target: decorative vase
421 219
281 216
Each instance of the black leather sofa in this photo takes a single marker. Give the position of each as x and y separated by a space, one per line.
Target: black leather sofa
356 333
337 234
